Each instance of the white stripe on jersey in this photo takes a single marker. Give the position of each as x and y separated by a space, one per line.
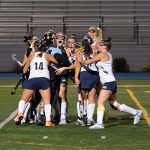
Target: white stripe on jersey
39 67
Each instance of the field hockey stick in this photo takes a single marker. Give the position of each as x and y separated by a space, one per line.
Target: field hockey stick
17 85
13 56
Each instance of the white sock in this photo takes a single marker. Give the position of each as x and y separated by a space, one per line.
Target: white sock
21 106
47 108
79 109
63 110
100 114
125 108
90 111
85 107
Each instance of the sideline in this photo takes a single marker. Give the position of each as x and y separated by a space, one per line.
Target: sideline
145 113
12 115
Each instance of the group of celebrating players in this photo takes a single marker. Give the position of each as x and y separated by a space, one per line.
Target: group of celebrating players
49 63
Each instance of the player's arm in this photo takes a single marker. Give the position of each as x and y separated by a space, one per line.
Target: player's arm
77 69
51 58
24 60
27 64
89 61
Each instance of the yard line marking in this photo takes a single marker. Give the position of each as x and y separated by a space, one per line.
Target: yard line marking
126 85
145 113
123 85
12 115
80 146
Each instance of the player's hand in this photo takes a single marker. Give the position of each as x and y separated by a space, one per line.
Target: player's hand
77 81
60 70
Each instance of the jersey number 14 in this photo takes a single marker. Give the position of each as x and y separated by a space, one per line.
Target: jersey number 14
39 66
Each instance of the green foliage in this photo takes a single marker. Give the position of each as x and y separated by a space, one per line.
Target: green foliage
120 65
146 68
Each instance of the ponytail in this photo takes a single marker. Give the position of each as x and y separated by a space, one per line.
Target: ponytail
40 54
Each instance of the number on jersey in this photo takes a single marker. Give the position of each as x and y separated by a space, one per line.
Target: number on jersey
39 66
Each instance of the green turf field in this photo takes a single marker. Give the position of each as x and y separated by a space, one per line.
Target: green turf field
119 132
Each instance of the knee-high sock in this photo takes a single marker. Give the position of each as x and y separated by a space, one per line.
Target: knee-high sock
85 107
100 114
79 109
125 108
90 111
47 108
63 110
21 106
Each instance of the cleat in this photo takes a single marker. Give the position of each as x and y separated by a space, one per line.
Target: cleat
56 119
18 118
63 122
97 126
49 124
90 122
137 116
31 121
41 119
80 123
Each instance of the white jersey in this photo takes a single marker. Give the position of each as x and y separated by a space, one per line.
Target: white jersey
105 70
72 57
39 67
89 67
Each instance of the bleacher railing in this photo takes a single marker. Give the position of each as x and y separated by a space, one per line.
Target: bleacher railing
120 33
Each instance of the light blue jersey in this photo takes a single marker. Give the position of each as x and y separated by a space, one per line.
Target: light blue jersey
53 51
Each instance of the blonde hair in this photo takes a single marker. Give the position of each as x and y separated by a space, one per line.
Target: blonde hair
99 33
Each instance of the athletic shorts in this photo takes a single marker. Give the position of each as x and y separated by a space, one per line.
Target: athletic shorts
112 86
37 84
89 79
64 79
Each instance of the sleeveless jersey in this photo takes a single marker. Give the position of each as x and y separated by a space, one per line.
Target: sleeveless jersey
72 57
39 67
105 70
89 67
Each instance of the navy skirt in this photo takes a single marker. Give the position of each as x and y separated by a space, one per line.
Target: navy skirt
89 79
37 84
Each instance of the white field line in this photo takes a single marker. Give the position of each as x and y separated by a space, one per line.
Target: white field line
126 85
12 115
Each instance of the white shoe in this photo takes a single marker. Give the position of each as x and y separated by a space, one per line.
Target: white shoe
80 123
97 126
137 116
63 122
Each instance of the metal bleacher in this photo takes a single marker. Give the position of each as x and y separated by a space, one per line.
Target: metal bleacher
127 22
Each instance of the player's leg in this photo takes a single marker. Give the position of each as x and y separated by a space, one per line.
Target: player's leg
103 96
124 108
63 97
46 94
21 107
91 106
